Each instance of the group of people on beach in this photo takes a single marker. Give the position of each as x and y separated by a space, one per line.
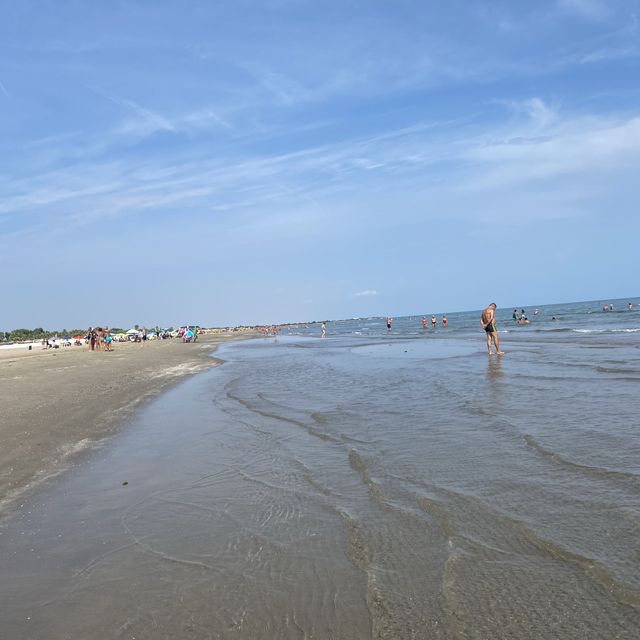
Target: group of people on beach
269 330
99 339
189 334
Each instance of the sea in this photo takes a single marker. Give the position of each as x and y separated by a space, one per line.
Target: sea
369 484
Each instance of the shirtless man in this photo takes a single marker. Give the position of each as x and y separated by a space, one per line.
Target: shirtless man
489 325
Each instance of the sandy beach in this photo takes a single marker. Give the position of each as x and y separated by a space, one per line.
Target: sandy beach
59 403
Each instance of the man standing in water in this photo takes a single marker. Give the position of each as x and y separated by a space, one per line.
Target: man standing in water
488 323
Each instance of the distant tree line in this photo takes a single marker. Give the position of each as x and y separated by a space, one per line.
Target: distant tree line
19 335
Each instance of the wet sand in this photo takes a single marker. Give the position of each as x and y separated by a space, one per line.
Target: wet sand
58 403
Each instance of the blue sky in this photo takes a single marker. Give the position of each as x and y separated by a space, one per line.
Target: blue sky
254 162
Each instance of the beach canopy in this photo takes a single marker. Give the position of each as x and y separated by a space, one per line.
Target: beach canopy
132 331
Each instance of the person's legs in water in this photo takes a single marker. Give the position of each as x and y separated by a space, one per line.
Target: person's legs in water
496 341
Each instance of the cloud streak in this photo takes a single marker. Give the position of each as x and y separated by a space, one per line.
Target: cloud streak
590 9
543 145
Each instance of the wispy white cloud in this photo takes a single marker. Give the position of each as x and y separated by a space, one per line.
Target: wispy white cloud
143 122
590 9
366 293
574 146
611 53
541 114
446 158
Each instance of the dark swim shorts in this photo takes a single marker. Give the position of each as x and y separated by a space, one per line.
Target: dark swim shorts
490 328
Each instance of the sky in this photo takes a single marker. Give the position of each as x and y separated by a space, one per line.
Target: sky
241 162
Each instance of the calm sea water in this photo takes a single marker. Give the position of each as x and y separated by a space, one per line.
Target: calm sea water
553 322
368 485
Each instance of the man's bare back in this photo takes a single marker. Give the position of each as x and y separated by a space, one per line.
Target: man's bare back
487 316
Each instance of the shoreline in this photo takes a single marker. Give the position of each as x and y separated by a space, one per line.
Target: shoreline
59 404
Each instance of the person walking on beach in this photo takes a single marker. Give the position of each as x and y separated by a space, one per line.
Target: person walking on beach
488 322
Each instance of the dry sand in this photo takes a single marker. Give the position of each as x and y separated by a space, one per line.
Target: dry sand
57 403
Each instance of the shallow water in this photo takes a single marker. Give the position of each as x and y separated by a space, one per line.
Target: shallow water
402 486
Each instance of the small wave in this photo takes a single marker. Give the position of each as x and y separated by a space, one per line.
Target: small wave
592 471
510 535
589 330
616 370
358 463
631 330
268 409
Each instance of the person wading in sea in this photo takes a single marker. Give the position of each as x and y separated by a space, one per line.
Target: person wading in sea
488 323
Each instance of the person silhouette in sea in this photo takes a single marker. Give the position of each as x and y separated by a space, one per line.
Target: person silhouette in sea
389 323
488 322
